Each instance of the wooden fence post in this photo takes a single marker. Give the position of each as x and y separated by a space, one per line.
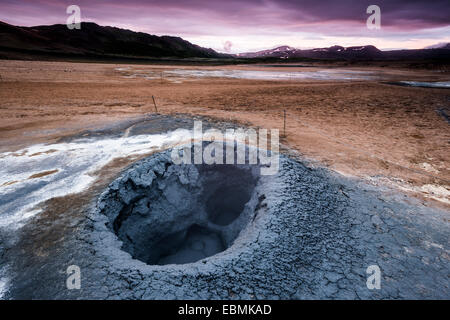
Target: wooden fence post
154 102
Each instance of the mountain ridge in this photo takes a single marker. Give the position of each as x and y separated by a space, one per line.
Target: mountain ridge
440 45
336 52
95 42
93 39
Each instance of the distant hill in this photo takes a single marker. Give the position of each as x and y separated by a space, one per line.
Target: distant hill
98 41
349 53
441 45
110 43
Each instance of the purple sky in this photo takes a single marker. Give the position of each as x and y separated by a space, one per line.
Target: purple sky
247 25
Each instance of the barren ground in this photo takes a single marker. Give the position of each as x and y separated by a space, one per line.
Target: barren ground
383 133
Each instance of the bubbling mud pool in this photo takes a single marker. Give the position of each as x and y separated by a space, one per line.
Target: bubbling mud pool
174 214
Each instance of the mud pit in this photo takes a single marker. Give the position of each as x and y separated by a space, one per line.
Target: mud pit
180 213
164 231
229 233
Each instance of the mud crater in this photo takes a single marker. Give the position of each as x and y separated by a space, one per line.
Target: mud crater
175 214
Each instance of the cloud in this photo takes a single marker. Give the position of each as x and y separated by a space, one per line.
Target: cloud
268 20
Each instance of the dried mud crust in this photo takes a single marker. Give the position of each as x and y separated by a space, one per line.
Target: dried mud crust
312 235
308 234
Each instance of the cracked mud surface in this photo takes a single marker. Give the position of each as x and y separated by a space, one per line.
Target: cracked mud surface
312 235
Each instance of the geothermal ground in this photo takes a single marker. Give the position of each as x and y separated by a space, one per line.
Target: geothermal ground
86 179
